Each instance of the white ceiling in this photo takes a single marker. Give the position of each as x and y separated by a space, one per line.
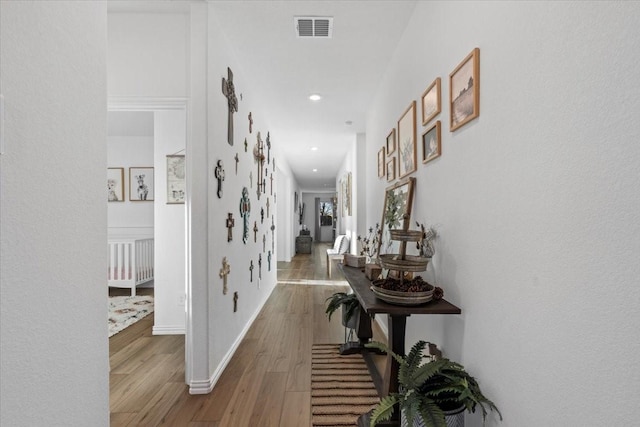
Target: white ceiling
283 70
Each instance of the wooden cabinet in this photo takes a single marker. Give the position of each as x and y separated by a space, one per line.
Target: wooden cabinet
303 244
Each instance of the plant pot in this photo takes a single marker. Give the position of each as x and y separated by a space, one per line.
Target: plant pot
453 418
352 322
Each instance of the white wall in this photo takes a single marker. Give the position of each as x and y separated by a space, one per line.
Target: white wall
53 215
536 202
348 224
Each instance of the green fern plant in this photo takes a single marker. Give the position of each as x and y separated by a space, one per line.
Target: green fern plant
428 389
339 299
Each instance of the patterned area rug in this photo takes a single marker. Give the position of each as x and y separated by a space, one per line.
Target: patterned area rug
125 311
341 387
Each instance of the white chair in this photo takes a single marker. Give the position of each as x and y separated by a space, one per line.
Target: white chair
340 247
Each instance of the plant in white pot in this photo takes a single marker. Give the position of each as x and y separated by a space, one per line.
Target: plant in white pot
349 304
431 390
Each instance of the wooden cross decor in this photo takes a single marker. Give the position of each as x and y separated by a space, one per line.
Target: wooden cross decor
258 156
273 227
224 271
268 148
250 122
245 211
251 271
259 266
264 242
261 215
271 191
267 207
251 179
274 198
230 224
237 160
264 182
229 91
269 260
235 301
255 231
245 145
220 177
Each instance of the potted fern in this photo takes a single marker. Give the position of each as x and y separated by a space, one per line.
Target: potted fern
429 391
349 304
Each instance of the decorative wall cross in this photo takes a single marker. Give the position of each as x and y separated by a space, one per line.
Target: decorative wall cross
220 177
269 260
255 232
259 266
251 271
250 122
271 191
246 144
229 91
274 198
237 160
264 242
245 211
264 181
261 215
258 156
273 227
267 207
230 224
268 148
235 301
274 164
224 271
250 179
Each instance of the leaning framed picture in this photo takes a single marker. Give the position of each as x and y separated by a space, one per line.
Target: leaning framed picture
391 169
391 142
381 162
176 187
431 104
464 91
115 184
407 141
431 145
141 184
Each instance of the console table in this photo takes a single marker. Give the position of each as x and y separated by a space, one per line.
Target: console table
397 321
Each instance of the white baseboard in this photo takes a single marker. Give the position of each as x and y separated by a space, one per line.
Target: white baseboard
205 387
168 330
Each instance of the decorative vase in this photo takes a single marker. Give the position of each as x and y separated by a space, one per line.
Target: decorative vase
352 322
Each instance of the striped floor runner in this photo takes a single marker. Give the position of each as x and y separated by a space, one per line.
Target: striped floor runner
341 387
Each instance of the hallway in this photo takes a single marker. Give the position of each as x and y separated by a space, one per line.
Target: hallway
266 383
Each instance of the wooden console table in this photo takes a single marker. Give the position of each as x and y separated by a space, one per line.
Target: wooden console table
397 321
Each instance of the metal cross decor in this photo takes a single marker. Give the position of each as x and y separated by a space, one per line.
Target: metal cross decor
259 266
255 231
269 260
224 271
229 91
271 191
273 227
220 177
235 301
230 224
267 207
245 145
237 160
264 242
250 179
245 211
261 215
268 148
258 156
251 271
250 122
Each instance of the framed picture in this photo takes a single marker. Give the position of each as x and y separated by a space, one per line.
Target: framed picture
381 163
396 213
431 104
407 141
464 91
431 145
141 184
391 169
391 142
176 186
348 193
115 184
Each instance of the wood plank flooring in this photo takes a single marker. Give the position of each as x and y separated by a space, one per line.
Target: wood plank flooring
266 383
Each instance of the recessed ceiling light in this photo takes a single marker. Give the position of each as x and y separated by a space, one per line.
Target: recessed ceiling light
315 170
315 97
314 148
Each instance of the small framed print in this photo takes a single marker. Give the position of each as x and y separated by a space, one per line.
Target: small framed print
407 162
115 184
391 169
141 184
431 143
176 187
431 104
391 142
464 91
381 163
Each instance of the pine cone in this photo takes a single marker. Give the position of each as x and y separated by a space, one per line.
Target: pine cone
438 293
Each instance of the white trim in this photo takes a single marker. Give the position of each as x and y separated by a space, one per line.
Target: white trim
146 103
168 330
205 387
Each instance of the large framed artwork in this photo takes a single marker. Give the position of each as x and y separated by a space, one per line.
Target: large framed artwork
396 213
176 186
141 184
464 91
431 145
407 141
115 184
431 104
381 163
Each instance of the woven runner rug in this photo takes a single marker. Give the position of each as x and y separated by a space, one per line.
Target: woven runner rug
125 311
341 387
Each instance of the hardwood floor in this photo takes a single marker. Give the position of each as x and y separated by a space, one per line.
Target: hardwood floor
266 383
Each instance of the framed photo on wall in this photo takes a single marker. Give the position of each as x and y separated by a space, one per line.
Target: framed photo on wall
176 187
464 91
391 169
391 142
431 104
115 184
141 184
431 143
407 141
381 163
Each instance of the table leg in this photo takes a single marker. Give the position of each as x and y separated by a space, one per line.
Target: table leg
397 325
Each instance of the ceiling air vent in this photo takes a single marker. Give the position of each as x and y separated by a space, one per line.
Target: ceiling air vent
314 26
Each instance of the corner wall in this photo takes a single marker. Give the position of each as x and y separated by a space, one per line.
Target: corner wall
536 202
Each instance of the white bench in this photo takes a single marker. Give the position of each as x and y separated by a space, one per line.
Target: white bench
340 247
